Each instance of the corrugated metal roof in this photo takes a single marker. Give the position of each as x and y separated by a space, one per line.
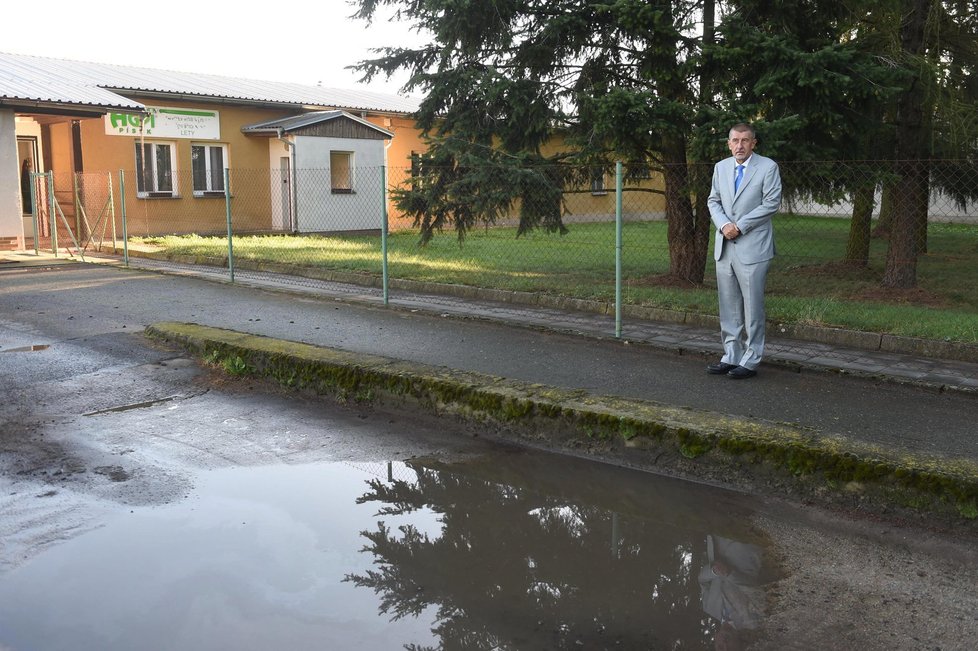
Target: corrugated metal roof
21 81
34 78
298 121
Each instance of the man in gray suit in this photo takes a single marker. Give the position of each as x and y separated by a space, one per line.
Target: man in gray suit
745 196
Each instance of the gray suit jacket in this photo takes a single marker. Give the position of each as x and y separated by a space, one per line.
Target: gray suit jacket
751 208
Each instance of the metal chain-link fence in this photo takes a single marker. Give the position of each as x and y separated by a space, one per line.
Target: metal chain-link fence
72 213
879 246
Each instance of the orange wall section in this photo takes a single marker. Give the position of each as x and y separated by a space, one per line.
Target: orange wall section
103 152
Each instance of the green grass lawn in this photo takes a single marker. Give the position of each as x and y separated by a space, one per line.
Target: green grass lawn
807 284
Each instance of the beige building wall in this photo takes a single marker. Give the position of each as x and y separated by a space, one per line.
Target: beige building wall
641 200
256 178
11 221
257 202
60 158
247 157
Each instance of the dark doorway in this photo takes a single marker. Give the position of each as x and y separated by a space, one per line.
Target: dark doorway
27 154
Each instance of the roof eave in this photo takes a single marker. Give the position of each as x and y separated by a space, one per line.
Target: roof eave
241 101
193 97
64 108
264 131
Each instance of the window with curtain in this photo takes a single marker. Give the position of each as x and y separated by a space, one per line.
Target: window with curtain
155 169
208 163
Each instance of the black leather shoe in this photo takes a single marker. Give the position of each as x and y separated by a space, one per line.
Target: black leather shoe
741 373
720 368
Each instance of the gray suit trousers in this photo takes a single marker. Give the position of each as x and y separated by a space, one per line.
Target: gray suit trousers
740 288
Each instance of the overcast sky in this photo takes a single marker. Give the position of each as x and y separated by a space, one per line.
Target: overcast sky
303 41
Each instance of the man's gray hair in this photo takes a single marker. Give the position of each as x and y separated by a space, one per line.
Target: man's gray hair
743 126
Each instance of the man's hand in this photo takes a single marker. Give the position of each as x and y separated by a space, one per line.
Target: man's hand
730 231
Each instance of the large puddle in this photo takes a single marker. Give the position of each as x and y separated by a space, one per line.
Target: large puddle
513 550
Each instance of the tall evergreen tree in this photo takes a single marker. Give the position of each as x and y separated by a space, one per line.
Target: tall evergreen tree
646 81
912 164
616 79
811 71
934 117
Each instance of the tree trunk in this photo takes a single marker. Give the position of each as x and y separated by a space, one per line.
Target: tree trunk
909 204
702 176
702 172
910 200
885 224
920 226
857 250
679 215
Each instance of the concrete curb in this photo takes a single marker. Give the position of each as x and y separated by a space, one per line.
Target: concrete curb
643 434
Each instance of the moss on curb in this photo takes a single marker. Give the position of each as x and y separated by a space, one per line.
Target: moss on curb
642 433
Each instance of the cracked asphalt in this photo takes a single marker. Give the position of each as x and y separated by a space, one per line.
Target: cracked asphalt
95 418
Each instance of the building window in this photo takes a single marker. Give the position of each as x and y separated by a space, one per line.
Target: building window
208 162
597 181
341 171
639 171
154 169
417 165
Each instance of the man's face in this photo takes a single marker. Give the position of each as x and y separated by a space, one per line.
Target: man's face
741 145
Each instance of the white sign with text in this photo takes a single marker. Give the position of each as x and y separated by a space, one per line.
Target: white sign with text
166 122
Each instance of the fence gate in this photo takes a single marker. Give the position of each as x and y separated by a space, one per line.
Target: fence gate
72 213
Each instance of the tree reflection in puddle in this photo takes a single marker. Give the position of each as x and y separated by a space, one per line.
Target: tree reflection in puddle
541 552
505 550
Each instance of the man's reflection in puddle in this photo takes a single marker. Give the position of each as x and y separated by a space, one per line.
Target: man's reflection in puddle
730 590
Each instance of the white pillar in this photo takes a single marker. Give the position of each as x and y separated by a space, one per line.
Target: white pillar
11 219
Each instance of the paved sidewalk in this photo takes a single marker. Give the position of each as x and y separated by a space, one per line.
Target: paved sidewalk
939 374
936 373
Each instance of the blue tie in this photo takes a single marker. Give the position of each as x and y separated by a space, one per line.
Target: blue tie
738 178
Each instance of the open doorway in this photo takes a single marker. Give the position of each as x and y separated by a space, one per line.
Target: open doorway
27 155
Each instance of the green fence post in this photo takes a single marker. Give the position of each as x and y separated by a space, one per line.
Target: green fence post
618 249
227 205
383 233
52 210
125 226
34 219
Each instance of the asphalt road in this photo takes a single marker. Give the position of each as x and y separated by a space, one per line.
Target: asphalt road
100 426
78 301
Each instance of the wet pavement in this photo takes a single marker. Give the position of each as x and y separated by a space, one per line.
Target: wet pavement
501 552
235 515
145 499
74 300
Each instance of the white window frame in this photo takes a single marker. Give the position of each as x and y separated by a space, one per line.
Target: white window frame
155 191
597 184
209 172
